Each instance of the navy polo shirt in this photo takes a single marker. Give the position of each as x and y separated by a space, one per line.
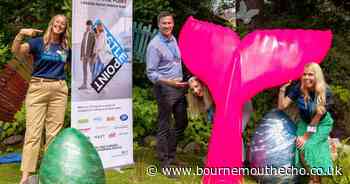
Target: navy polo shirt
307 110
48 63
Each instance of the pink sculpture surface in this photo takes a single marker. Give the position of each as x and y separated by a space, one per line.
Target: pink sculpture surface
236 70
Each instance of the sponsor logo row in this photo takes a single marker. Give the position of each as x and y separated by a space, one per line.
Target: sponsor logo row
111 135
115 127
123 118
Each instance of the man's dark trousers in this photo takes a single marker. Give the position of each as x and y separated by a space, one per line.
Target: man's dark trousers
170 100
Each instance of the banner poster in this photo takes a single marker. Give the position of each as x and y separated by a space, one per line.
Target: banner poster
102 77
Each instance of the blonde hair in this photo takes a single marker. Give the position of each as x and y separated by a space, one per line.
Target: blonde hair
320 87
63 37
199 105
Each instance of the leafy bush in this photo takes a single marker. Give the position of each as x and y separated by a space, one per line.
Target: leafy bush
139 77
146 11
343 162
8 129
340 111
67 115
198 130
13 128
145 119
144 112
342 93
5 54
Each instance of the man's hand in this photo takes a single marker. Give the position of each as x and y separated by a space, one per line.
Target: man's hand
181 84
174 83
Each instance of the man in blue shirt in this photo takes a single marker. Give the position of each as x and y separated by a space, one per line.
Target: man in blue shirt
164 69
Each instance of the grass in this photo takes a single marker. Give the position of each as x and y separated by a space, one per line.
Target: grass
135 174
9 173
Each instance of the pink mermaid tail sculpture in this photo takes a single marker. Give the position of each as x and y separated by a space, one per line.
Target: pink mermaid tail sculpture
237 70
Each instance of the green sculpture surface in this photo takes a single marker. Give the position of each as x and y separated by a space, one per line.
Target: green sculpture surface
71 159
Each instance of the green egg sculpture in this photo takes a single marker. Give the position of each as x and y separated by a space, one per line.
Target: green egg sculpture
71 159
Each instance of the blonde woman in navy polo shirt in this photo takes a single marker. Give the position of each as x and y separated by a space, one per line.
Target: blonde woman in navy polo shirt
313 99
46 98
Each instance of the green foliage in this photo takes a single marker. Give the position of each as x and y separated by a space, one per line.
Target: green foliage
146 11
343 162
67 8
335 66
145 113
4 54
21 13
340 110
67 115
145 119
13 128
198 130
139 76
199 9
342 93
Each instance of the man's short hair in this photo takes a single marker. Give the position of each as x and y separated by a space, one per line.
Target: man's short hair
164 14
88 22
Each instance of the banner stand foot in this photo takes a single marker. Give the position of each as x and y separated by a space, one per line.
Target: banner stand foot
118 169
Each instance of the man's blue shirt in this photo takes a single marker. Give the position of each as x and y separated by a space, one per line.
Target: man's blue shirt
163 59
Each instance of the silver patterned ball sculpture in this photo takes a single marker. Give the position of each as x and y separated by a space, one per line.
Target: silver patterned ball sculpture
273 147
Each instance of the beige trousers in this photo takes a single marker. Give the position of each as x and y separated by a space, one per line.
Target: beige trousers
45 102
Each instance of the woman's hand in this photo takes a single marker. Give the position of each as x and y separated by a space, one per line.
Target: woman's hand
283 101
284 87
300 141
22 49
320 110
30 32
